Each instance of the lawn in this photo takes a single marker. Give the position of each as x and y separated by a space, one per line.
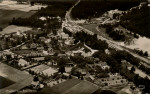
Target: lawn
7 15
71 86
94 28
13 28
5 82
12 73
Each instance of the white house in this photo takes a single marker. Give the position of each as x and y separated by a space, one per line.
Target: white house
22 62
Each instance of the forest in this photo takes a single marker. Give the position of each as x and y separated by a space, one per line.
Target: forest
95 8
54 9
137 21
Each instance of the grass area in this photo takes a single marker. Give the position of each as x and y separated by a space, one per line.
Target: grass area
12 73
7 16
71 86
65 85
13 28
5 82
94 27
60 88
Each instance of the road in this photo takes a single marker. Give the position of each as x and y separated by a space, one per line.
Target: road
68 13
111 43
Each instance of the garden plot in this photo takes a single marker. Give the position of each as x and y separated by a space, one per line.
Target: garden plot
40 68
50 71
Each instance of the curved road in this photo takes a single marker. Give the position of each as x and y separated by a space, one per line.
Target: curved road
111 43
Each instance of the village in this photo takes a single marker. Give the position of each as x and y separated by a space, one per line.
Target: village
55 58
60 61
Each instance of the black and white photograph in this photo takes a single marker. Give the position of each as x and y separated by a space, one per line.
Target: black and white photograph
74 46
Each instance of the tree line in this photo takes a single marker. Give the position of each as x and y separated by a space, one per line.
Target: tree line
137 21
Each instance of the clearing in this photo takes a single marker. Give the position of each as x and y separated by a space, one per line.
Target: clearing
7 16
13 28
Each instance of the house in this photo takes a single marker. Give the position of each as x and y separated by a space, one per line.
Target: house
50 50
90 78
69 53
45 52
33 46
47 40
42 38
69 64
22 62
68 69
24 47
113 13
39 58
107 51
103 65
120 28
41 48
82 71
63 35
49 72
7 55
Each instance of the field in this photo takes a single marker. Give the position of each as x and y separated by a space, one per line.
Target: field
7 15
20 78
94 28
72 86
13 28
141 43
5 82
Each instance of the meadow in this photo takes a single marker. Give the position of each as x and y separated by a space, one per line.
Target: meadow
7 16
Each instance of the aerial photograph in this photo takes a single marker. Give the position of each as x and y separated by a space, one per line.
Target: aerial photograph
74 46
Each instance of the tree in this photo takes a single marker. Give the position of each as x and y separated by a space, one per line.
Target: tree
141 53
70 77
62 69
1 48
23 38
146 53
35 78
132 69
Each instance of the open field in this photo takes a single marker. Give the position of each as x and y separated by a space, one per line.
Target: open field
13 28
94 28
5 82
142 43
7 16
12 73
20 78
13 5
10 9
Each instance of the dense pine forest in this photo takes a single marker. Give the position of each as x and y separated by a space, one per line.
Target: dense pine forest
94 8
137 21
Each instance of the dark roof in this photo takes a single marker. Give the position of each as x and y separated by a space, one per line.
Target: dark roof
71 86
